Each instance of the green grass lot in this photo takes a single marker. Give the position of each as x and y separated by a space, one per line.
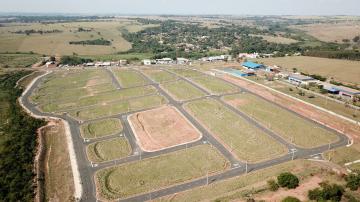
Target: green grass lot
317 100
118 107
239 188
215 85
101 128
99 98
246 141
187 72
159 76
129 78
344 155
58 43
161 171
108 150
182 90
18 60
293 128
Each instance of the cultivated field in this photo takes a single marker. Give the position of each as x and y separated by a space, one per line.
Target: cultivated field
244 140
342 70
215 85
161 171
162 128
101 128
58 43
118 107
277 39
291 127
158 75
129 78
182 90
108 150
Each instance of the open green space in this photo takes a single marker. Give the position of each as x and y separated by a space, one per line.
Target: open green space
135 104
108 150
129 78
182 90
159 76
245 140
100 98
161 171
18 60
291 127
121 56
344 155
187 72
215 85
101 128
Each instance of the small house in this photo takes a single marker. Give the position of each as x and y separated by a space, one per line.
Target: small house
298 79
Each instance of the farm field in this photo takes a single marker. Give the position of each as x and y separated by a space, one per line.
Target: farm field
162 128
119 107
58 43
342 70
215 85
244 140
129 78
291 127
101 128
108 150
159 76
182 90
154 173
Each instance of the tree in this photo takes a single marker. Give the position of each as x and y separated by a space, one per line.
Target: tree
332 192
353 181
288 180
290 199
52 58
356 39
273 186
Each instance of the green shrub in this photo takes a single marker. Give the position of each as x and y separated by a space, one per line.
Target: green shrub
290 199
328 192
288 180
353 181
273 186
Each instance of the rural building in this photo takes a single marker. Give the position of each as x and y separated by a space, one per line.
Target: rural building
249 55
239 73
89 64
298 79
252 65
50 64
164 61
147 62
182 61
275 69
123 62
347 93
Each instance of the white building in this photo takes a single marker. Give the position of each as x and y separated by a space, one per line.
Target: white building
147 62
249 55
298 79
182 61
164 61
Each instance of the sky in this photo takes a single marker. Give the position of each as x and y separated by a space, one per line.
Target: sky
193 7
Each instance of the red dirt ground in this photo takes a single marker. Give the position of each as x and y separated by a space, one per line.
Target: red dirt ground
162 128
311 112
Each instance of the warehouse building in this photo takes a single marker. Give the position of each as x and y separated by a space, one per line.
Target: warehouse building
301 80
252 65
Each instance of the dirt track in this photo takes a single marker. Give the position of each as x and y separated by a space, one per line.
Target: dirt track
162 128
303 109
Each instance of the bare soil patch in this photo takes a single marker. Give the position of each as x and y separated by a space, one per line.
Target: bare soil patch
162 128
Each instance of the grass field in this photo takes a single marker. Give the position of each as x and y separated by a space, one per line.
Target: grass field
277 39
101 128
294 129
215 85
118 107
159 76
122 56
344 155
341 70
129 78
57 167
58 43
108 150
182 90
151 174
18 60
247 142
187 72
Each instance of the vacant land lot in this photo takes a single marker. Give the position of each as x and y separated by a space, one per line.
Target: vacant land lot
57 167
152 174
247 142
101 128
215 85
118 107
331 32
341 70
344 155
182 90
108 150
291 127
161 128
187 72
277 39
129 78
58 42
158 75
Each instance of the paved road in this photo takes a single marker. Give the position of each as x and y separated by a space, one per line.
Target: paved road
87 170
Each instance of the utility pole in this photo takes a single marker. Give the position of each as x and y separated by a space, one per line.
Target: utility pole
207 178
293 155
246 167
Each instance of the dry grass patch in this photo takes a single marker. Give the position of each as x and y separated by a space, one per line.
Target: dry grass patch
101 128
130 78
161 171
182 90
215 85
108 150
159 76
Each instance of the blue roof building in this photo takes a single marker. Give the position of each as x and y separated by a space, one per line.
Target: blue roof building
252 65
